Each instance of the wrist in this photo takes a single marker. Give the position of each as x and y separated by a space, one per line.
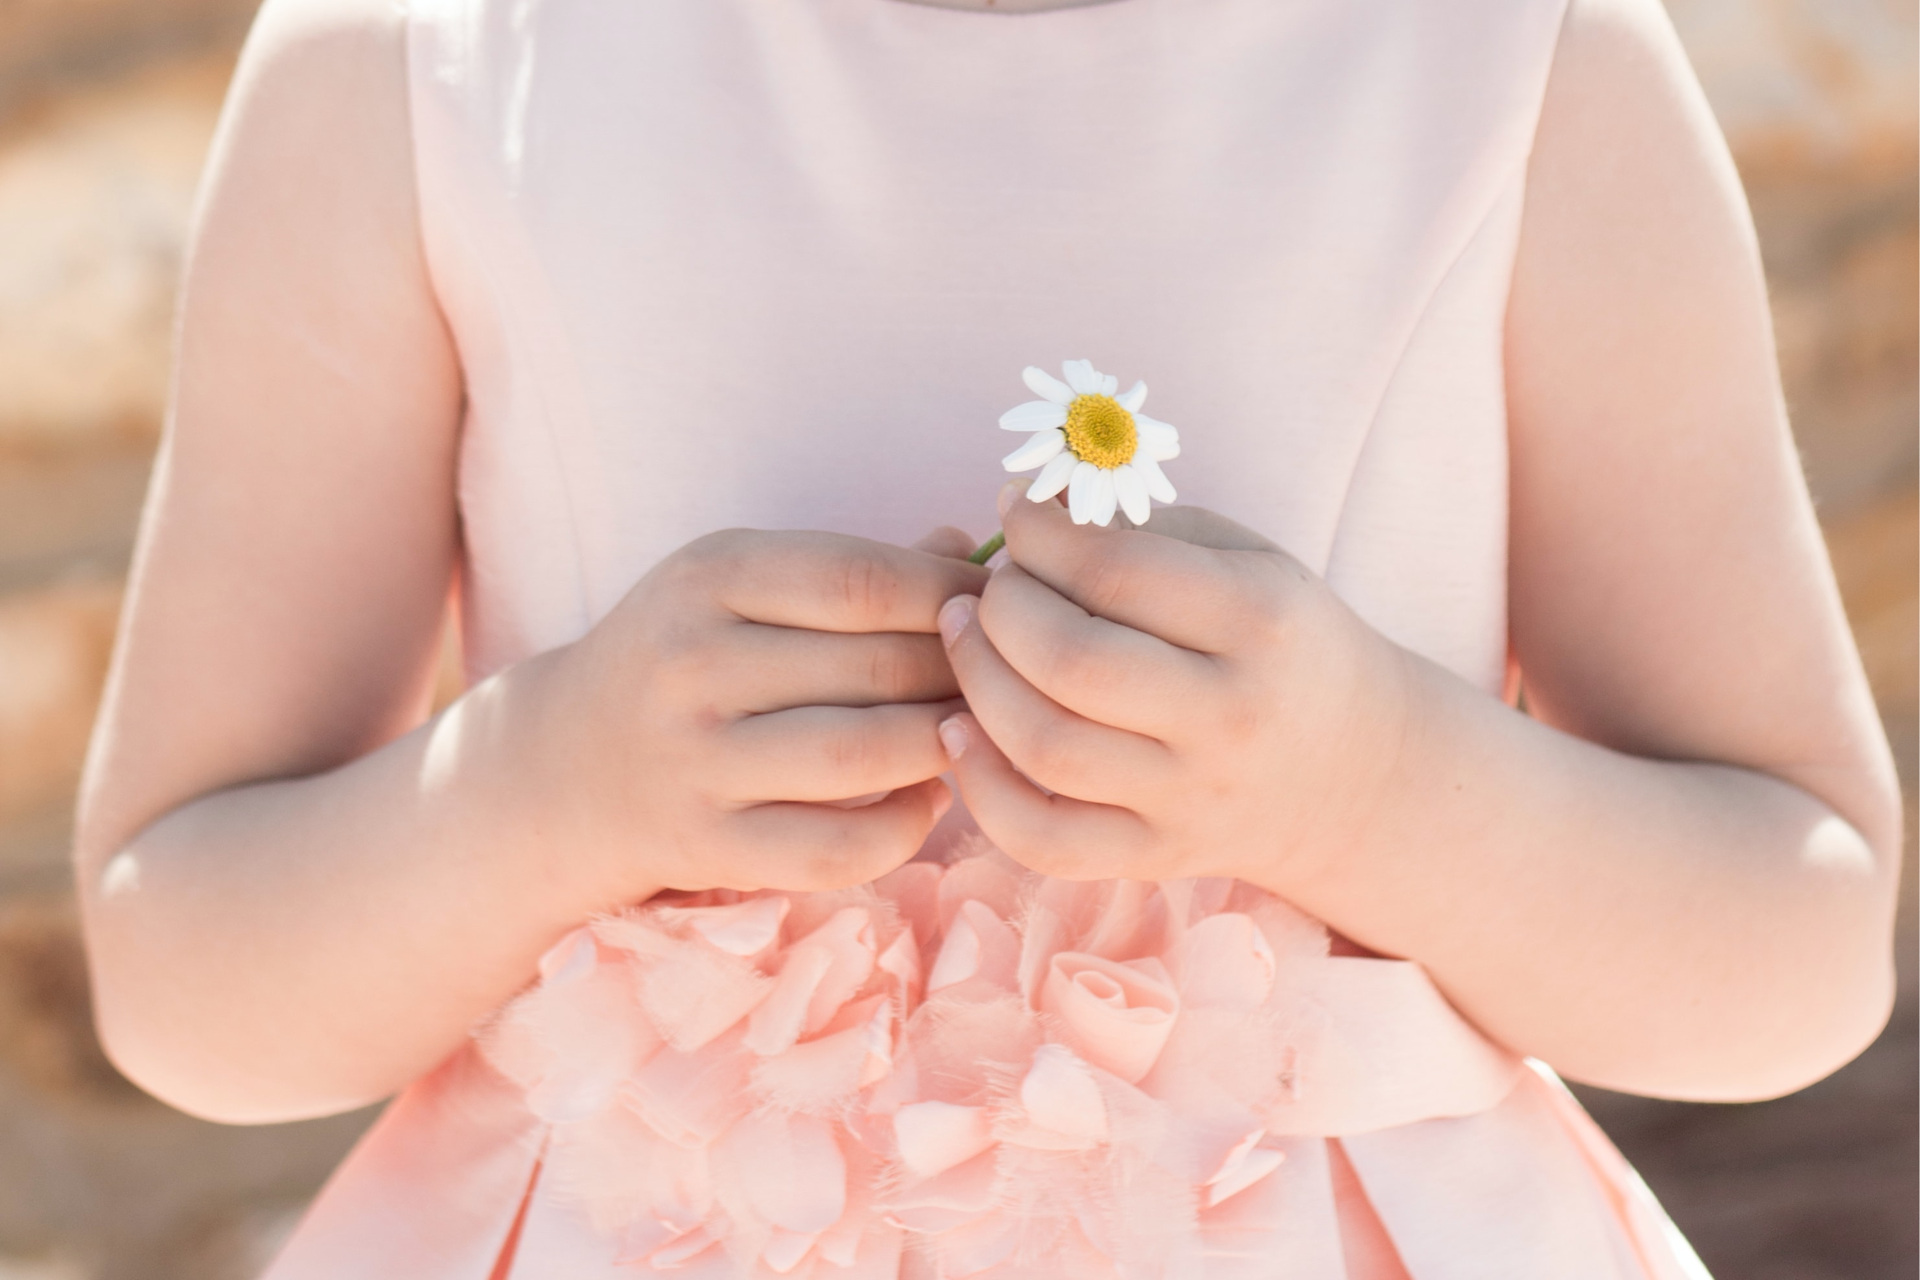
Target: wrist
1352 807
555 797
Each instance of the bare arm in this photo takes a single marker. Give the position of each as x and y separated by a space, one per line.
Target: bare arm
297 896
1676 877
1672 600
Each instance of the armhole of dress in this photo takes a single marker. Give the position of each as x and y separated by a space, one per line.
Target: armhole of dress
1513 685
411 37
412 53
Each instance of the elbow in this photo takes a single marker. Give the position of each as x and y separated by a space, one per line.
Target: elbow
1830 1038
1786 1026
1735 1064
1768 1011
161 1040
195 1082
1781 1060
1809 994
217 1093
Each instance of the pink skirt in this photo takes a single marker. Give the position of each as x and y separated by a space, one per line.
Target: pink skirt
973 1071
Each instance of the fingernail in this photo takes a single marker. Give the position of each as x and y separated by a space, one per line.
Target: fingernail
953 736
1008 492
954 615
942 801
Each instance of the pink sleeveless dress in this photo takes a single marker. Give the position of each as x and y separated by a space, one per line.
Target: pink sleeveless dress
779 263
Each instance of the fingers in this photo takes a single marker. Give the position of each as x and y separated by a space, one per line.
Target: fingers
1054 834
956 544
832 753
811 846
1188 595
1100 669
827 581
773 668
1059 749
1204 528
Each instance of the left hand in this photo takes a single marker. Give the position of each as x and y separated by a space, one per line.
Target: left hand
1190 700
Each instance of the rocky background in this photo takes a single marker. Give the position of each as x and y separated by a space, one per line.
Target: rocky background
106 109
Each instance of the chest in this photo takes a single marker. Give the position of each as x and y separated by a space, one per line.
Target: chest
774 263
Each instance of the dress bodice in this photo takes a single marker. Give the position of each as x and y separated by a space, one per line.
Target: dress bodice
778 263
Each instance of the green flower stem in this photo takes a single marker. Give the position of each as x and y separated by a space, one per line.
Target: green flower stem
989 547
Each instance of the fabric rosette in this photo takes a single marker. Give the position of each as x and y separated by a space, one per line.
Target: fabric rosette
991 1070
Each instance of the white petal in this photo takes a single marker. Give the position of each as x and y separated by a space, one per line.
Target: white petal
1104 499
1034 415
1158 440
1039 449
1080 492
1082 378
1157 484
1109 384
1135 397
1132 492
1053 477
1046 386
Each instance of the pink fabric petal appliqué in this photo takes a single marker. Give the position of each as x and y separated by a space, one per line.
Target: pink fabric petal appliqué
1117 1014
1101 1080
933 1137
1061 1103
1224 961
790 1168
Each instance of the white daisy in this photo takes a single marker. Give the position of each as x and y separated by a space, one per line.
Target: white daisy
1096 445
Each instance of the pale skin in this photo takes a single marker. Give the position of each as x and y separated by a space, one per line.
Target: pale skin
1675 876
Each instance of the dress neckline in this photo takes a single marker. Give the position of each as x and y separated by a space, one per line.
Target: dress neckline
1009 6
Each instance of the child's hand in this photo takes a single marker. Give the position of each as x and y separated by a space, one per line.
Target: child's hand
1198 702
751 679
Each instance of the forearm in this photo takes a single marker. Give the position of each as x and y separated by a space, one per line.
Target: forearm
297 947
1688 929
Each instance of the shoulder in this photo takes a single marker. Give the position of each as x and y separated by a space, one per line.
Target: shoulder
318 82
1626 132
325 37
314 147
1636 232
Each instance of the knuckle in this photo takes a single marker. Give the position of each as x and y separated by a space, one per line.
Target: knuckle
686 660
1241 721
869 846
1043 754
864 585
822 869
1266 601
1103 579
720 546
699 567
853 750
1075 661
892 672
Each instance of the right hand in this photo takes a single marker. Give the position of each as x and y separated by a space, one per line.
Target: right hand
748 682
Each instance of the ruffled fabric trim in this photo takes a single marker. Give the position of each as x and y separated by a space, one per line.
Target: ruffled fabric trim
971 1064
972 1071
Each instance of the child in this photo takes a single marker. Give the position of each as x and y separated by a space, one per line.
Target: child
1459 312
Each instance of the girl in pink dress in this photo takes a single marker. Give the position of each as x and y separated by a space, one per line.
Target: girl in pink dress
1265 906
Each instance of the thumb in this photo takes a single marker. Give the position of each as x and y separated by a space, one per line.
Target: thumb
955 544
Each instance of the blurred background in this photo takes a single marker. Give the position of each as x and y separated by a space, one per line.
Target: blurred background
106 110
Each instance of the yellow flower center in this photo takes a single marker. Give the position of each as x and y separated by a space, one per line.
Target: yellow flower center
1101 432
